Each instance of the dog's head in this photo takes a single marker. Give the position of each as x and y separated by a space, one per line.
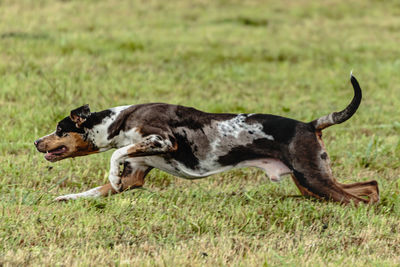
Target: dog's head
70 138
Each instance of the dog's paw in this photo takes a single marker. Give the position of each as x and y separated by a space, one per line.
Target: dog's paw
116 182
275 178
65 197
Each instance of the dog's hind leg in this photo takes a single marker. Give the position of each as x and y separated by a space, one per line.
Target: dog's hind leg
367 189
311 164
132 177
321 186
312 173
355 191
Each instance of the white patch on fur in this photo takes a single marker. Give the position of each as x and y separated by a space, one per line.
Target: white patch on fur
237 125
234 127
99 133
92 193
117 158
123 139
325 120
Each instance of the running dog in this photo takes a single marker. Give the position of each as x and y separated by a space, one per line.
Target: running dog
192 144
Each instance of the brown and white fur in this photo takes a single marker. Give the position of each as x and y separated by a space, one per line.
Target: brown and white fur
193 144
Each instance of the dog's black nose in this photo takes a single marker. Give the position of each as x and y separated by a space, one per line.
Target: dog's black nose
36 142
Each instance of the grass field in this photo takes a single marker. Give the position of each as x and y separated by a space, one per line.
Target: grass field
291 58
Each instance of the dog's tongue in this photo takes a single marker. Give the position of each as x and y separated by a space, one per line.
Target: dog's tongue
50 155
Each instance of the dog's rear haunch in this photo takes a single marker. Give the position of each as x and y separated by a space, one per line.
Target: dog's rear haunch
193 144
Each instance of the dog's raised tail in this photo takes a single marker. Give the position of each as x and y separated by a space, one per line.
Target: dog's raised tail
345 114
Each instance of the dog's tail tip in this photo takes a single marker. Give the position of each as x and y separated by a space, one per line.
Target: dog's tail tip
352 77
345 114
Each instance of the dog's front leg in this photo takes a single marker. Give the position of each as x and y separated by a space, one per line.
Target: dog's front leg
92 193
133 176
151 145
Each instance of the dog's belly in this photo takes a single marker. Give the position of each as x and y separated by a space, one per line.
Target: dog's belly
176 168
274 168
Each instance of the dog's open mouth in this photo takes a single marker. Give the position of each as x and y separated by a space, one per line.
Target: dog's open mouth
51 155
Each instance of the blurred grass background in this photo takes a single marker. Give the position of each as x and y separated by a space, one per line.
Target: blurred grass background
290 58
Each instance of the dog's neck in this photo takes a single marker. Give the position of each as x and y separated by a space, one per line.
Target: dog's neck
98 131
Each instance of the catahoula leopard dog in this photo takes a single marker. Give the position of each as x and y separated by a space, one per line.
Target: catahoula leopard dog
192 144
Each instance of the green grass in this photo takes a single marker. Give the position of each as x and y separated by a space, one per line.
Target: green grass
290 58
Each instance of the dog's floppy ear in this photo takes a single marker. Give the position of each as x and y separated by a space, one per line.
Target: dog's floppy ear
80 115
